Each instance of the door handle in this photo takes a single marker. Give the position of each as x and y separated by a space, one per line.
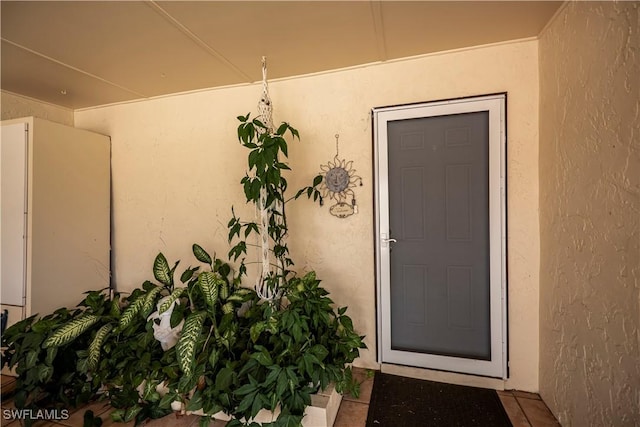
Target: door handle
384 240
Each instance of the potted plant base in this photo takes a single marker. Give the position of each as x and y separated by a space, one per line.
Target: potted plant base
321 413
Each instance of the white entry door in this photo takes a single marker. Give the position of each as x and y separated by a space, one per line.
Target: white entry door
441 235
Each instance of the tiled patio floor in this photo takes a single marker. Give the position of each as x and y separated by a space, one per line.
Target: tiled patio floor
524 410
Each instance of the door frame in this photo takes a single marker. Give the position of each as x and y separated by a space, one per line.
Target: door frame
497 367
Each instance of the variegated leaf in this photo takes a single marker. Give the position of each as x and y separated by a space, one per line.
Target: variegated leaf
177 292
224 290
201 255
222 342
115 306
161 270
149 300
51 355
70 331
214 357
186 347
227 308
131 311
96 345
209 283
240 295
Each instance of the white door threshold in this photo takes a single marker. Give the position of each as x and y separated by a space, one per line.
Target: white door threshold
442 376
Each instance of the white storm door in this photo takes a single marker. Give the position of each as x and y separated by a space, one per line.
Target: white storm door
440 221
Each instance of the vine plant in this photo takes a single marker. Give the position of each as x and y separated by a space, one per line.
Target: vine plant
265 179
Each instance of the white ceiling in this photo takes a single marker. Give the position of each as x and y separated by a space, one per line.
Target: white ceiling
80 54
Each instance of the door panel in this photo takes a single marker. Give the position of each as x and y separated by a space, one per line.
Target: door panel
438 204
440 216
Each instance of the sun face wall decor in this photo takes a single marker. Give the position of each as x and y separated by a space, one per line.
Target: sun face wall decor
338 180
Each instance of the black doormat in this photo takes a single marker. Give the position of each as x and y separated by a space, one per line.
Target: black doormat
399 401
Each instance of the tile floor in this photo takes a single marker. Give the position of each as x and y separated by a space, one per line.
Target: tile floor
524 410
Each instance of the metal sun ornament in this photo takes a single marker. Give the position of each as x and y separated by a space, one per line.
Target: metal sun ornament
339 179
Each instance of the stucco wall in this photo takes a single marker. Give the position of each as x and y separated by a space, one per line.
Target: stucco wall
14 107
177 166
590 214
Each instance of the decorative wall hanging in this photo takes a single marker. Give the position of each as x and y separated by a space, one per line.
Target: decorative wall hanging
339 178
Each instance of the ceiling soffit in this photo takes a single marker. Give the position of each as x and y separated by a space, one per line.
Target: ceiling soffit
83 54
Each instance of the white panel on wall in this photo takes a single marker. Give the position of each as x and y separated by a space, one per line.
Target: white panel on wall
13 205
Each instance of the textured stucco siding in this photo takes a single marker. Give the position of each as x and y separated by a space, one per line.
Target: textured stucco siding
177 166
15 107
590 214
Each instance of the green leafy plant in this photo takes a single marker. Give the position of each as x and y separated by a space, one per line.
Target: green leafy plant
236 352
47 375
